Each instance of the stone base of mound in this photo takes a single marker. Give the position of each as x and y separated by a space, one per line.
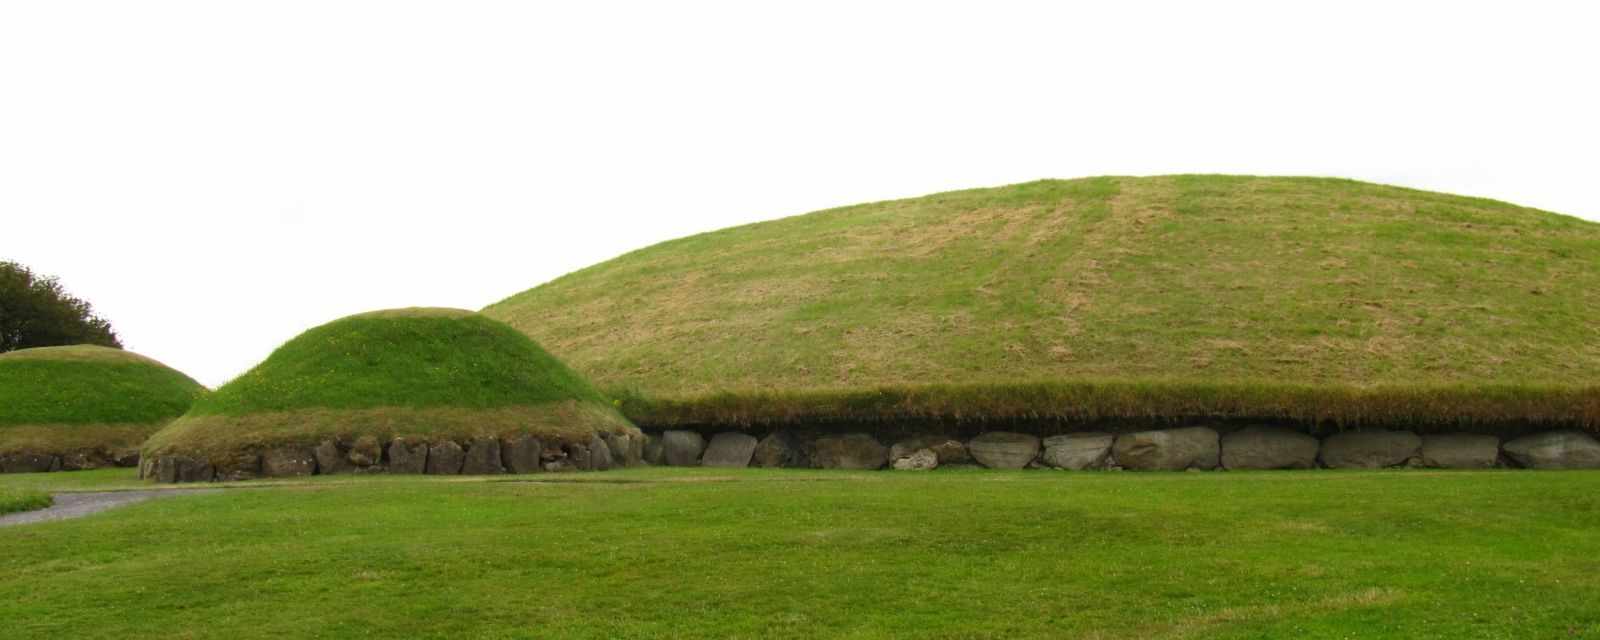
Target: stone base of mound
403 455
78 460
1248 447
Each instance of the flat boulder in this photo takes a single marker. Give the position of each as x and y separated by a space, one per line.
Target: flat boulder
682 448
1004 449
286 462
445 458
919 460
1269 448
1369 449
408 456
28 463
520 453
625 450
1460 450
1555 450
949 450
730 449
599 454
193 470
1078 451
1168 449
781 448
365 452
653 453
849 451
482 458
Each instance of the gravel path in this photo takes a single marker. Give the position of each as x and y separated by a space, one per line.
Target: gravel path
78 505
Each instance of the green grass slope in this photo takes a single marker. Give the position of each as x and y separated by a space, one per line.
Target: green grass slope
1303 298
444 372
60 399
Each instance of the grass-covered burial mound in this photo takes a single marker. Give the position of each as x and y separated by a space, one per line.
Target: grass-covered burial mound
1305 300
406 391
83 407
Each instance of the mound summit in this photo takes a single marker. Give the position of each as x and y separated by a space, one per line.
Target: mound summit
84 406
405 390
1321 301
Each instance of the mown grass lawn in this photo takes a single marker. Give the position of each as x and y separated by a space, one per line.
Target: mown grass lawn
798 554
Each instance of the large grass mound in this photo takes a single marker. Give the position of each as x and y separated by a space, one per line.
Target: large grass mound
431 373
1209 296
86 403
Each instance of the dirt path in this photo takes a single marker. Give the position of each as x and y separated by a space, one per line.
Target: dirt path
78 505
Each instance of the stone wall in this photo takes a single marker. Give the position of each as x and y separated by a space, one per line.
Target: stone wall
32 462
366 454
1176 449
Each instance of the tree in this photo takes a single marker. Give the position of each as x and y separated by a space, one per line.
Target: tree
36 312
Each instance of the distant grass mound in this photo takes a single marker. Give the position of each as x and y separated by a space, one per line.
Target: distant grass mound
429 373
1318 300
86 404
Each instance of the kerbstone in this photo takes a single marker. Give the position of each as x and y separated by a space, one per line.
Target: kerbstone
1269 448
1168 449
730 449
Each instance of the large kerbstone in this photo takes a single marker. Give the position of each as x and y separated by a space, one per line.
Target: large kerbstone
1460 450
330 460
653 453
682 448
520 453
239 465
1004 449
1269 448
287 462
28 463
947 449
445 458
408 456
482 458
849 451
599 454
782 448
84 460
1078 451
365 452
1555 450
1369 449
729 449
919 460
1168 449
624 452
194 470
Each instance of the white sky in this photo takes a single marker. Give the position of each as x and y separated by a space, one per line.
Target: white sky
216 177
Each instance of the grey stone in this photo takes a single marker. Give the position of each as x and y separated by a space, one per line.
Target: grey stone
599 454
125 458
1369 449
520 453
194 470
366 451
84 460
682 448
330 460
1003 449
167 469
578 456
729 449
1078 451
482 457
653 452
445 458
919 460
1168 449
1269 448
848 451
287 462
949 450
635 455
239 466
407 455
781 448
1555 450
1460 450
29 463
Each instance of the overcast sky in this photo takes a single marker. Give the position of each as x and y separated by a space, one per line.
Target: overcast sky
216 177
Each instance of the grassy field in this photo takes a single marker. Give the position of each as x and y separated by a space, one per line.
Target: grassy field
1101 297
14 499
695 553
421 372
62 399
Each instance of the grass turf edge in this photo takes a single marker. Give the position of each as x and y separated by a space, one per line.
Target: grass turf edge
16 500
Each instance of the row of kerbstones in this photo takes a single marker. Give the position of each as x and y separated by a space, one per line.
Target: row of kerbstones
367 454
1157 450
24 462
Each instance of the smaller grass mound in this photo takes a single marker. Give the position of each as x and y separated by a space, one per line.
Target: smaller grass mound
425 373
84 406
17 500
